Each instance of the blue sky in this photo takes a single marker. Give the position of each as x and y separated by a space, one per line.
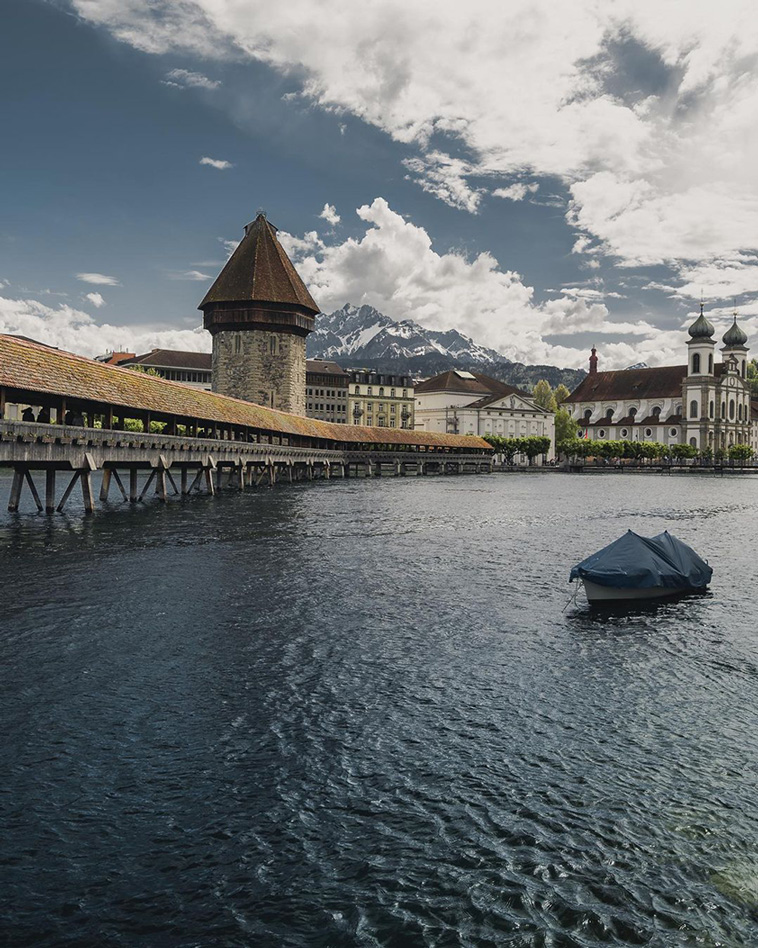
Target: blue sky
540 185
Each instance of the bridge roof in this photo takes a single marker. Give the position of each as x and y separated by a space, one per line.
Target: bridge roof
36 368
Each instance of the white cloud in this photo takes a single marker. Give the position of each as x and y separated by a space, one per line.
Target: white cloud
197 275
100 279
77 331
515 192
394 267
186 79
96 299
660 171
219 164
330 215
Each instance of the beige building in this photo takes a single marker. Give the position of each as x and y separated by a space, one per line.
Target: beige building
380 400
459 402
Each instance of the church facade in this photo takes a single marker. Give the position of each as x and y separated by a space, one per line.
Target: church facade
704 403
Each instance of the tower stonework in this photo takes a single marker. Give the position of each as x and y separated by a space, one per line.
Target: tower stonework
259 313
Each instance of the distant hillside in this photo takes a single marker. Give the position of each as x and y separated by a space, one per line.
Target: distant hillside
362 336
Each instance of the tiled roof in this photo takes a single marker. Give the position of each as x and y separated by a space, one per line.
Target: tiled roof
31 367
626 384
478 385
172 359
260 270
663 382
324 368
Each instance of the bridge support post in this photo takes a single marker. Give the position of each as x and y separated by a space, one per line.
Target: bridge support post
88 498
241 474
184 482
18 483
106 484
133 495
50 491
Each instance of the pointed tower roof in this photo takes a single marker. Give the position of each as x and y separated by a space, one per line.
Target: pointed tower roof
702 328
735 335
259 270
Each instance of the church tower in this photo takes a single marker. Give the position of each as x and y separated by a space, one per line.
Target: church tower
699 396
259 313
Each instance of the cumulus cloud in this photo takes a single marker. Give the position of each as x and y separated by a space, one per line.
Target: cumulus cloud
220 164
99 279
515 192
645 111
394 267
330 215
76 331
96 299
186 79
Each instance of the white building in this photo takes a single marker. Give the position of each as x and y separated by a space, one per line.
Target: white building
458 402
703 403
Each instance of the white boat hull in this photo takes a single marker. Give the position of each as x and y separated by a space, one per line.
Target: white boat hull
609 594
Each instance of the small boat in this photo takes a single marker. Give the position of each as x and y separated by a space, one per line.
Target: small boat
635 568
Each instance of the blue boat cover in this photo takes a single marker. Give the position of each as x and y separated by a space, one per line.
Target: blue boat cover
635 562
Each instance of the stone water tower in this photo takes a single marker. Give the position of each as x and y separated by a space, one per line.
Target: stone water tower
259 313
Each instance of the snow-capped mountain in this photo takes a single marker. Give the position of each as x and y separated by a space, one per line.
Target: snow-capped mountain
637 365
362 336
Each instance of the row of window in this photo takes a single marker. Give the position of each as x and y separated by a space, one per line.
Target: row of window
325 392
741 412
696 365
184 375
370 391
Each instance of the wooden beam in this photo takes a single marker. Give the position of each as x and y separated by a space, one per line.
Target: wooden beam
88 497
148 482
160 485
105 486
120 486
18 483
33 489
196 481
67 492
209 481
184 481
133 498
50 491
172 481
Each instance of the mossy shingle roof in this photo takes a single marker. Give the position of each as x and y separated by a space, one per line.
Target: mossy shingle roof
32 367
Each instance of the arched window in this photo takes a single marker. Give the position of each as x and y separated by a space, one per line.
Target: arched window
632 412
696 363
609 414
739 412
587 416
693 442
710 408
731 408
693 409
723 410
381 393
710 364
657 411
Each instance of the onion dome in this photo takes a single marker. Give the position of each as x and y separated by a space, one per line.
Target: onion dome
734 336
702 328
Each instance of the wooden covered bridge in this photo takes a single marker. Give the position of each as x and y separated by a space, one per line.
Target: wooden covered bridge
74 416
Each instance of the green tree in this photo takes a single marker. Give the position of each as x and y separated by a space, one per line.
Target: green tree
145 371
561 393
566 430
682 451
740 452
542 395
752 376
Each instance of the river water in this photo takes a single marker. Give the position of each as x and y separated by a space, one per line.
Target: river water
356 713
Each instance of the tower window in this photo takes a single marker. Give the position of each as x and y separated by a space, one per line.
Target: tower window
731 408
710 364
710 409
693 409
696 362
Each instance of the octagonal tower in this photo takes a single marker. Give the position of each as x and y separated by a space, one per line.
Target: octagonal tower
259 313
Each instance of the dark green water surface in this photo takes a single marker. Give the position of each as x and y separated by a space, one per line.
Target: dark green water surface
357 714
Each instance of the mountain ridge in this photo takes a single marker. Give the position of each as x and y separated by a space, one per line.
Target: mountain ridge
362 336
